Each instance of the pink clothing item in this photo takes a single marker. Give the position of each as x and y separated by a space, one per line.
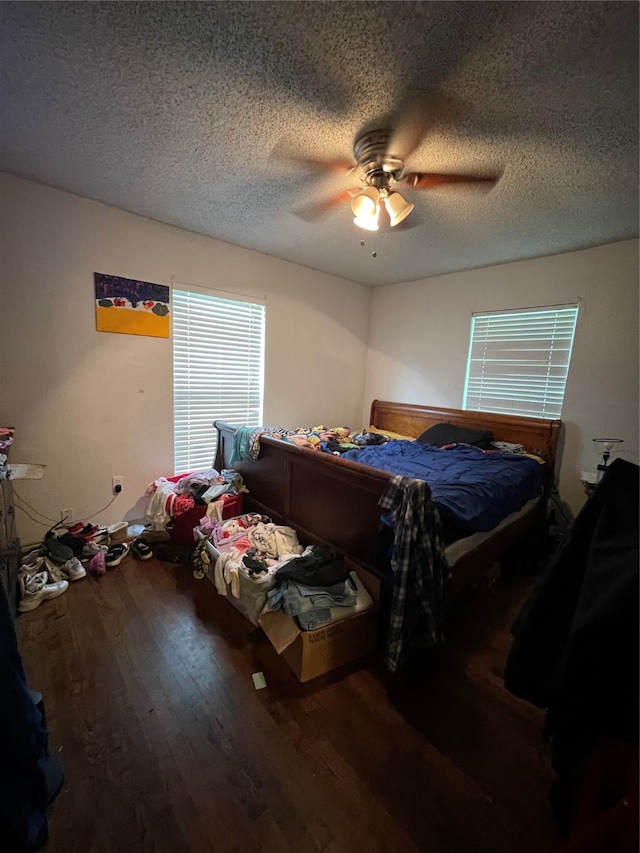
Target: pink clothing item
240 543
181 504
97 564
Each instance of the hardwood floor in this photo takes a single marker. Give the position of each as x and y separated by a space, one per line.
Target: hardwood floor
146 675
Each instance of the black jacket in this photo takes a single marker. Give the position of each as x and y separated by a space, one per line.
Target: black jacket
575 647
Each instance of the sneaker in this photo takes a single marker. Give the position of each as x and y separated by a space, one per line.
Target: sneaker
116 554
100 534
92 548
53 570
73 570
35 588
32 556
117 532
141 549
32 563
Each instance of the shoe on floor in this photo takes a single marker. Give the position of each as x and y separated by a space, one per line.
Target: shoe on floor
92 548
116 554
117 532
141 549
53 570
32 556
35 588
72 570
100 534
32 563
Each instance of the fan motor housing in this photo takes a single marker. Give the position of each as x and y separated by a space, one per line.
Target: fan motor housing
378 169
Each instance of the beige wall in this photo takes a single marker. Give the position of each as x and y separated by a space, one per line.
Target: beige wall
91 404
419 337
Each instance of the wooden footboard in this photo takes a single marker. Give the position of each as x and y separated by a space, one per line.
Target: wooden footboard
323 497
330 499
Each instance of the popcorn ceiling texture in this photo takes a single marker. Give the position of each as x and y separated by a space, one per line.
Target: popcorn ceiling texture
182 111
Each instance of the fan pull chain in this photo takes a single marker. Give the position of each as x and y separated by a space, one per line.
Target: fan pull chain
374 254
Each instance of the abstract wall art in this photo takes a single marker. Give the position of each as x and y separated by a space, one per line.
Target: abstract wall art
131 307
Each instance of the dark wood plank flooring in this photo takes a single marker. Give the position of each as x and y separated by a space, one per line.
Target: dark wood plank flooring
146 675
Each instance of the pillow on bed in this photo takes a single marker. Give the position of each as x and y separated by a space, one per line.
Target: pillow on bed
441 434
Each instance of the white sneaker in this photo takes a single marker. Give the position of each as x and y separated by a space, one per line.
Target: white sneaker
32 556
32 563
53 570
92 548
73 570
34 589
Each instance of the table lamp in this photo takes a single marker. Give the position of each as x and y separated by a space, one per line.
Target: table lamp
604 447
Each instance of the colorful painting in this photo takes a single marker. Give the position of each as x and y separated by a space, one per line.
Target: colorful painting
131 307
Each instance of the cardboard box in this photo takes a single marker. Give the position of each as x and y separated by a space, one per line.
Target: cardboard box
314 653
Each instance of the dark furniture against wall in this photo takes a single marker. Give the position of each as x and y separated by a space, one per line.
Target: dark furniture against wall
9 544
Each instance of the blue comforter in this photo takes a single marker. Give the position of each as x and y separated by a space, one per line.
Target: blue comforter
474 489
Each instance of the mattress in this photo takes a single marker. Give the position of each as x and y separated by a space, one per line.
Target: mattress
462 547
473 489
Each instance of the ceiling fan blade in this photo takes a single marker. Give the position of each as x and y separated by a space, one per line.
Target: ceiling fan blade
430 180
420 113
285 154
314 211
341 165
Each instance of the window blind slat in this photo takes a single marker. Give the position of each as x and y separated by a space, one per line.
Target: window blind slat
218 366
518 361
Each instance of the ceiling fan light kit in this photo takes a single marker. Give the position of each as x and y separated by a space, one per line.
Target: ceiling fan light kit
365 203
380 157
369 223
366 208
397 208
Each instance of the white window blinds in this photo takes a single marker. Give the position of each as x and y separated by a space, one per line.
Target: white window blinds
218 366
519 361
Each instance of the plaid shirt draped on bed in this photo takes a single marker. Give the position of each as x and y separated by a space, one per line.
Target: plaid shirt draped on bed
420 569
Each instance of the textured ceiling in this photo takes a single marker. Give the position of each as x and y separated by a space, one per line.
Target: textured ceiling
182 111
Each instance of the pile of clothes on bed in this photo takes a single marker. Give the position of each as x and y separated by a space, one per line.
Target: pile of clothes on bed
336 440
262 566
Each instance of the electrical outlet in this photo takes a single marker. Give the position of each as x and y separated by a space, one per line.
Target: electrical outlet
68 514
117 484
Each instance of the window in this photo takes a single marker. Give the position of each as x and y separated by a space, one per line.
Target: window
218 366
519 361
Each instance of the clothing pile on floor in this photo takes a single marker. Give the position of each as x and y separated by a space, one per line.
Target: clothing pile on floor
264 567
47 570
172 497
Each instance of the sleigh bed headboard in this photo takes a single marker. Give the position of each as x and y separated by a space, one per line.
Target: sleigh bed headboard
412 420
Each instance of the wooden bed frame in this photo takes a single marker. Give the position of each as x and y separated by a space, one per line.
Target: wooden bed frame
329 499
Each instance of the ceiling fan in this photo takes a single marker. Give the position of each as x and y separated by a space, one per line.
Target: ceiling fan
380 163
